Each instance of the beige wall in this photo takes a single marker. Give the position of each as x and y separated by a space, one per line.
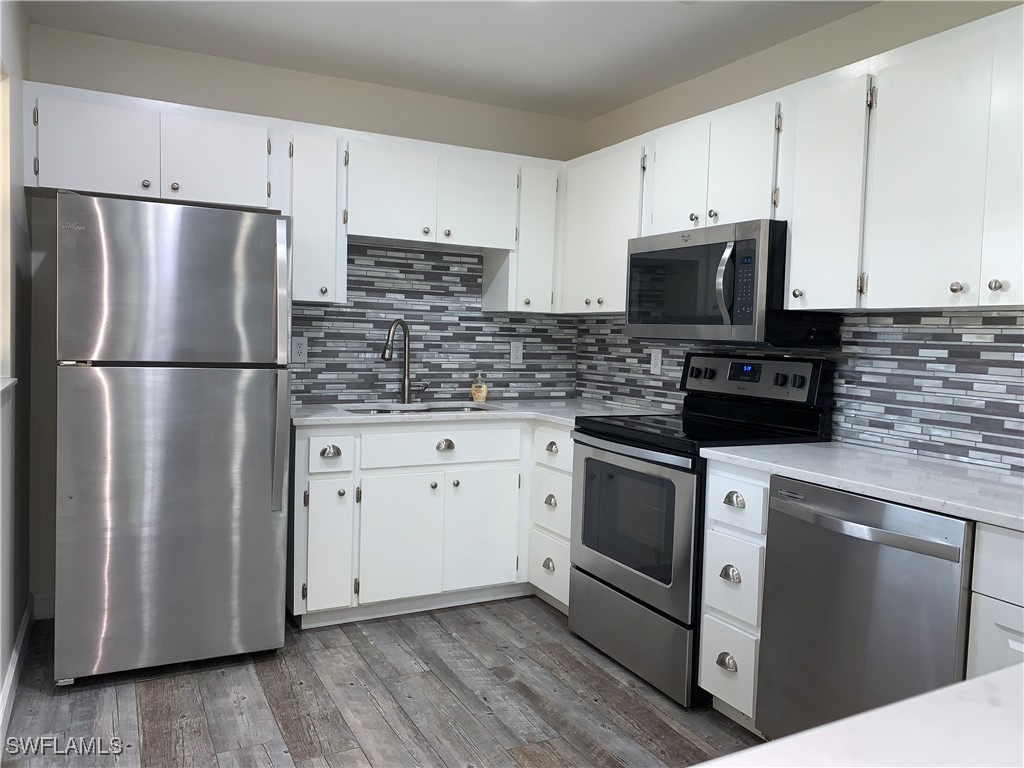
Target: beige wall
117 66
876 29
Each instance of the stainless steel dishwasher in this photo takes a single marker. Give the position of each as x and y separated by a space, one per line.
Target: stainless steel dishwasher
865 603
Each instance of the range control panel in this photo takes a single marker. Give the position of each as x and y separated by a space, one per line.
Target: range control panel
794 380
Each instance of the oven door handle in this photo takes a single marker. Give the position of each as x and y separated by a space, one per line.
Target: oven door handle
720 281
636 453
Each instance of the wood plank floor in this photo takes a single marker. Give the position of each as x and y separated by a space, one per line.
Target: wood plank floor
500 684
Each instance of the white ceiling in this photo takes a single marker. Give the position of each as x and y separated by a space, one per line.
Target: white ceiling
573 59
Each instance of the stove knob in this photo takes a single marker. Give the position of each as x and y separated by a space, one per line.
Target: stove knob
695 372
799 381
781 379
709 373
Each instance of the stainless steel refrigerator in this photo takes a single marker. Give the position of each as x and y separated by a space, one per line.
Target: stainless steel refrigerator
171 432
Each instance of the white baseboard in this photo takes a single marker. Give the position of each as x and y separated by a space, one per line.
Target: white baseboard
13 672
42 605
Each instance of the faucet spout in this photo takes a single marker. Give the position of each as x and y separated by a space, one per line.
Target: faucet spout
389 346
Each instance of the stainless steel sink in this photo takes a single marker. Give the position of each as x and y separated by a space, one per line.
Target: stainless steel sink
397 409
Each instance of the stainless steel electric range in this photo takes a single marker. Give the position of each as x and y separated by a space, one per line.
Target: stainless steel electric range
638 504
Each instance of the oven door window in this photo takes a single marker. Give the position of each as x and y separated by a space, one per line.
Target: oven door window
628 517
678 286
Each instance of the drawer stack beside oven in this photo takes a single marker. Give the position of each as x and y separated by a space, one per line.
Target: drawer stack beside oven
550 512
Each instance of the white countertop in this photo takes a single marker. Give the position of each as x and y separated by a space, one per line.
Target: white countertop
561 412
976 722
952 488
6 384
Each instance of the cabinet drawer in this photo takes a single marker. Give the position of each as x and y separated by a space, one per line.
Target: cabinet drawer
554 578
999 563
737 501
551 501
552 449
732 576
440 446
322 452
737 651
996 638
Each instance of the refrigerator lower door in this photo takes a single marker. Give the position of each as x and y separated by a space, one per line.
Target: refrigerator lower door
168 545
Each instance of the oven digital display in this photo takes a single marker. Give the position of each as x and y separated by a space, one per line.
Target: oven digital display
745 372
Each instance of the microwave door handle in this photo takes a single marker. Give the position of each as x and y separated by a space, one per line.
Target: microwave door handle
720 282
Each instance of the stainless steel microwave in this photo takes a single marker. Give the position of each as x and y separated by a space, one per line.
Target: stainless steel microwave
721 284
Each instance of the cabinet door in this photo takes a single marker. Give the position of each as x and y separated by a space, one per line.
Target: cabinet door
476 202
996 636
481 541
828 197
392 192
94 148
535 251
602 212
401 535
1002 253
316 218
677 170
213 162
329 544
926 178
741 164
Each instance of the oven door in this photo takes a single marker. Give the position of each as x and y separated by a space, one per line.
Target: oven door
633 523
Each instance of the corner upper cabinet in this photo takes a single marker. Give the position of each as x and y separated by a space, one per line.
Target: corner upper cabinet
392 192
535 248
319 243
742 162
602 212
213 161
824 256
925 208
476 202
97 148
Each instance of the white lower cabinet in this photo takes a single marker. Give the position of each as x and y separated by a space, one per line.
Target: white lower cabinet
551 513
481 516
996 637
329 539
733 569
728 663
549 565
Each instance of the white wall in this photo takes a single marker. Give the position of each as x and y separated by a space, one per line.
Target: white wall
14 263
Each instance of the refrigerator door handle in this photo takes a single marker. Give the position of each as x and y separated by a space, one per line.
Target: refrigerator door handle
281 423
284 283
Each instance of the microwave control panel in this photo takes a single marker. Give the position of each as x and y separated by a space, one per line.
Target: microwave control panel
745 279
765 377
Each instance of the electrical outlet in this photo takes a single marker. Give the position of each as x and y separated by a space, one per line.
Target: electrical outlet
299 350
516 353
655 361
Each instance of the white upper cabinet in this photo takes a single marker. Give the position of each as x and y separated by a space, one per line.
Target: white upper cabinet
535 250
926 178
476 202
319 246
742 162
828 197
1001 281
677 172
213 162
602 212
96 148
392 192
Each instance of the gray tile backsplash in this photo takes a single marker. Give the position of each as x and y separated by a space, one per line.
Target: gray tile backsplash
947 384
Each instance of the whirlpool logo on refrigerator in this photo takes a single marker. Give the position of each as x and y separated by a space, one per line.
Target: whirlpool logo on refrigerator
72 226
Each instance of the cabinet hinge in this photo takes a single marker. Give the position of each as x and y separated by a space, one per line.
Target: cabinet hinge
520 482
862 282
778 122
359 494
291 149
268 146
517 234
355 586
346 157
344 216
775 198
519 180
304 591
872 97
268 189
35 165
305 498
35 115
517 563
556 186
643 162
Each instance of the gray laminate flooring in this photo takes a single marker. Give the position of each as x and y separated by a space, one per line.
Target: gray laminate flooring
497 684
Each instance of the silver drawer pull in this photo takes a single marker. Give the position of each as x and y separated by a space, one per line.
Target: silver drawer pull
727 662
552 447
735 499
548 564
551 501
731 573
330 451
445 445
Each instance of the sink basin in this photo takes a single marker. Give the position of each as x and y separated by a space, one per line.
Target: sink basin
397 409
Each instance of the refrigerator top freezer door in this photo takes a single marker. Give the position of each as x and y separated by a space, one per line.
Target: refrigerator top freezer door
146 282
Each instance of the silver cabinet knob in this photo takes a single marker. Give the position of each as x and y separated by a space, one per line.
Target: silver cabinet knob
341 492
433 486
712 213
600 300
551 501
995 285
731 573
735 499
956 287
330 451
797 293
426 230
447 233
694 218
551 447
145 183
727 662
175 187
548 564
456 483
587 302
323 290
526 302
445 445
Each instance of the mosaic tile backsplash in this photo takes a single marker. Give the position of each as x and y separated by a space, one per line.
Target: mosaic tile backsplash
947 384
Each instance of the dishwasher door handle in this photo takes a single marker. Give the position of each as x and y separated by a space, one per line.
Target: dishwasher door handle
822 519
